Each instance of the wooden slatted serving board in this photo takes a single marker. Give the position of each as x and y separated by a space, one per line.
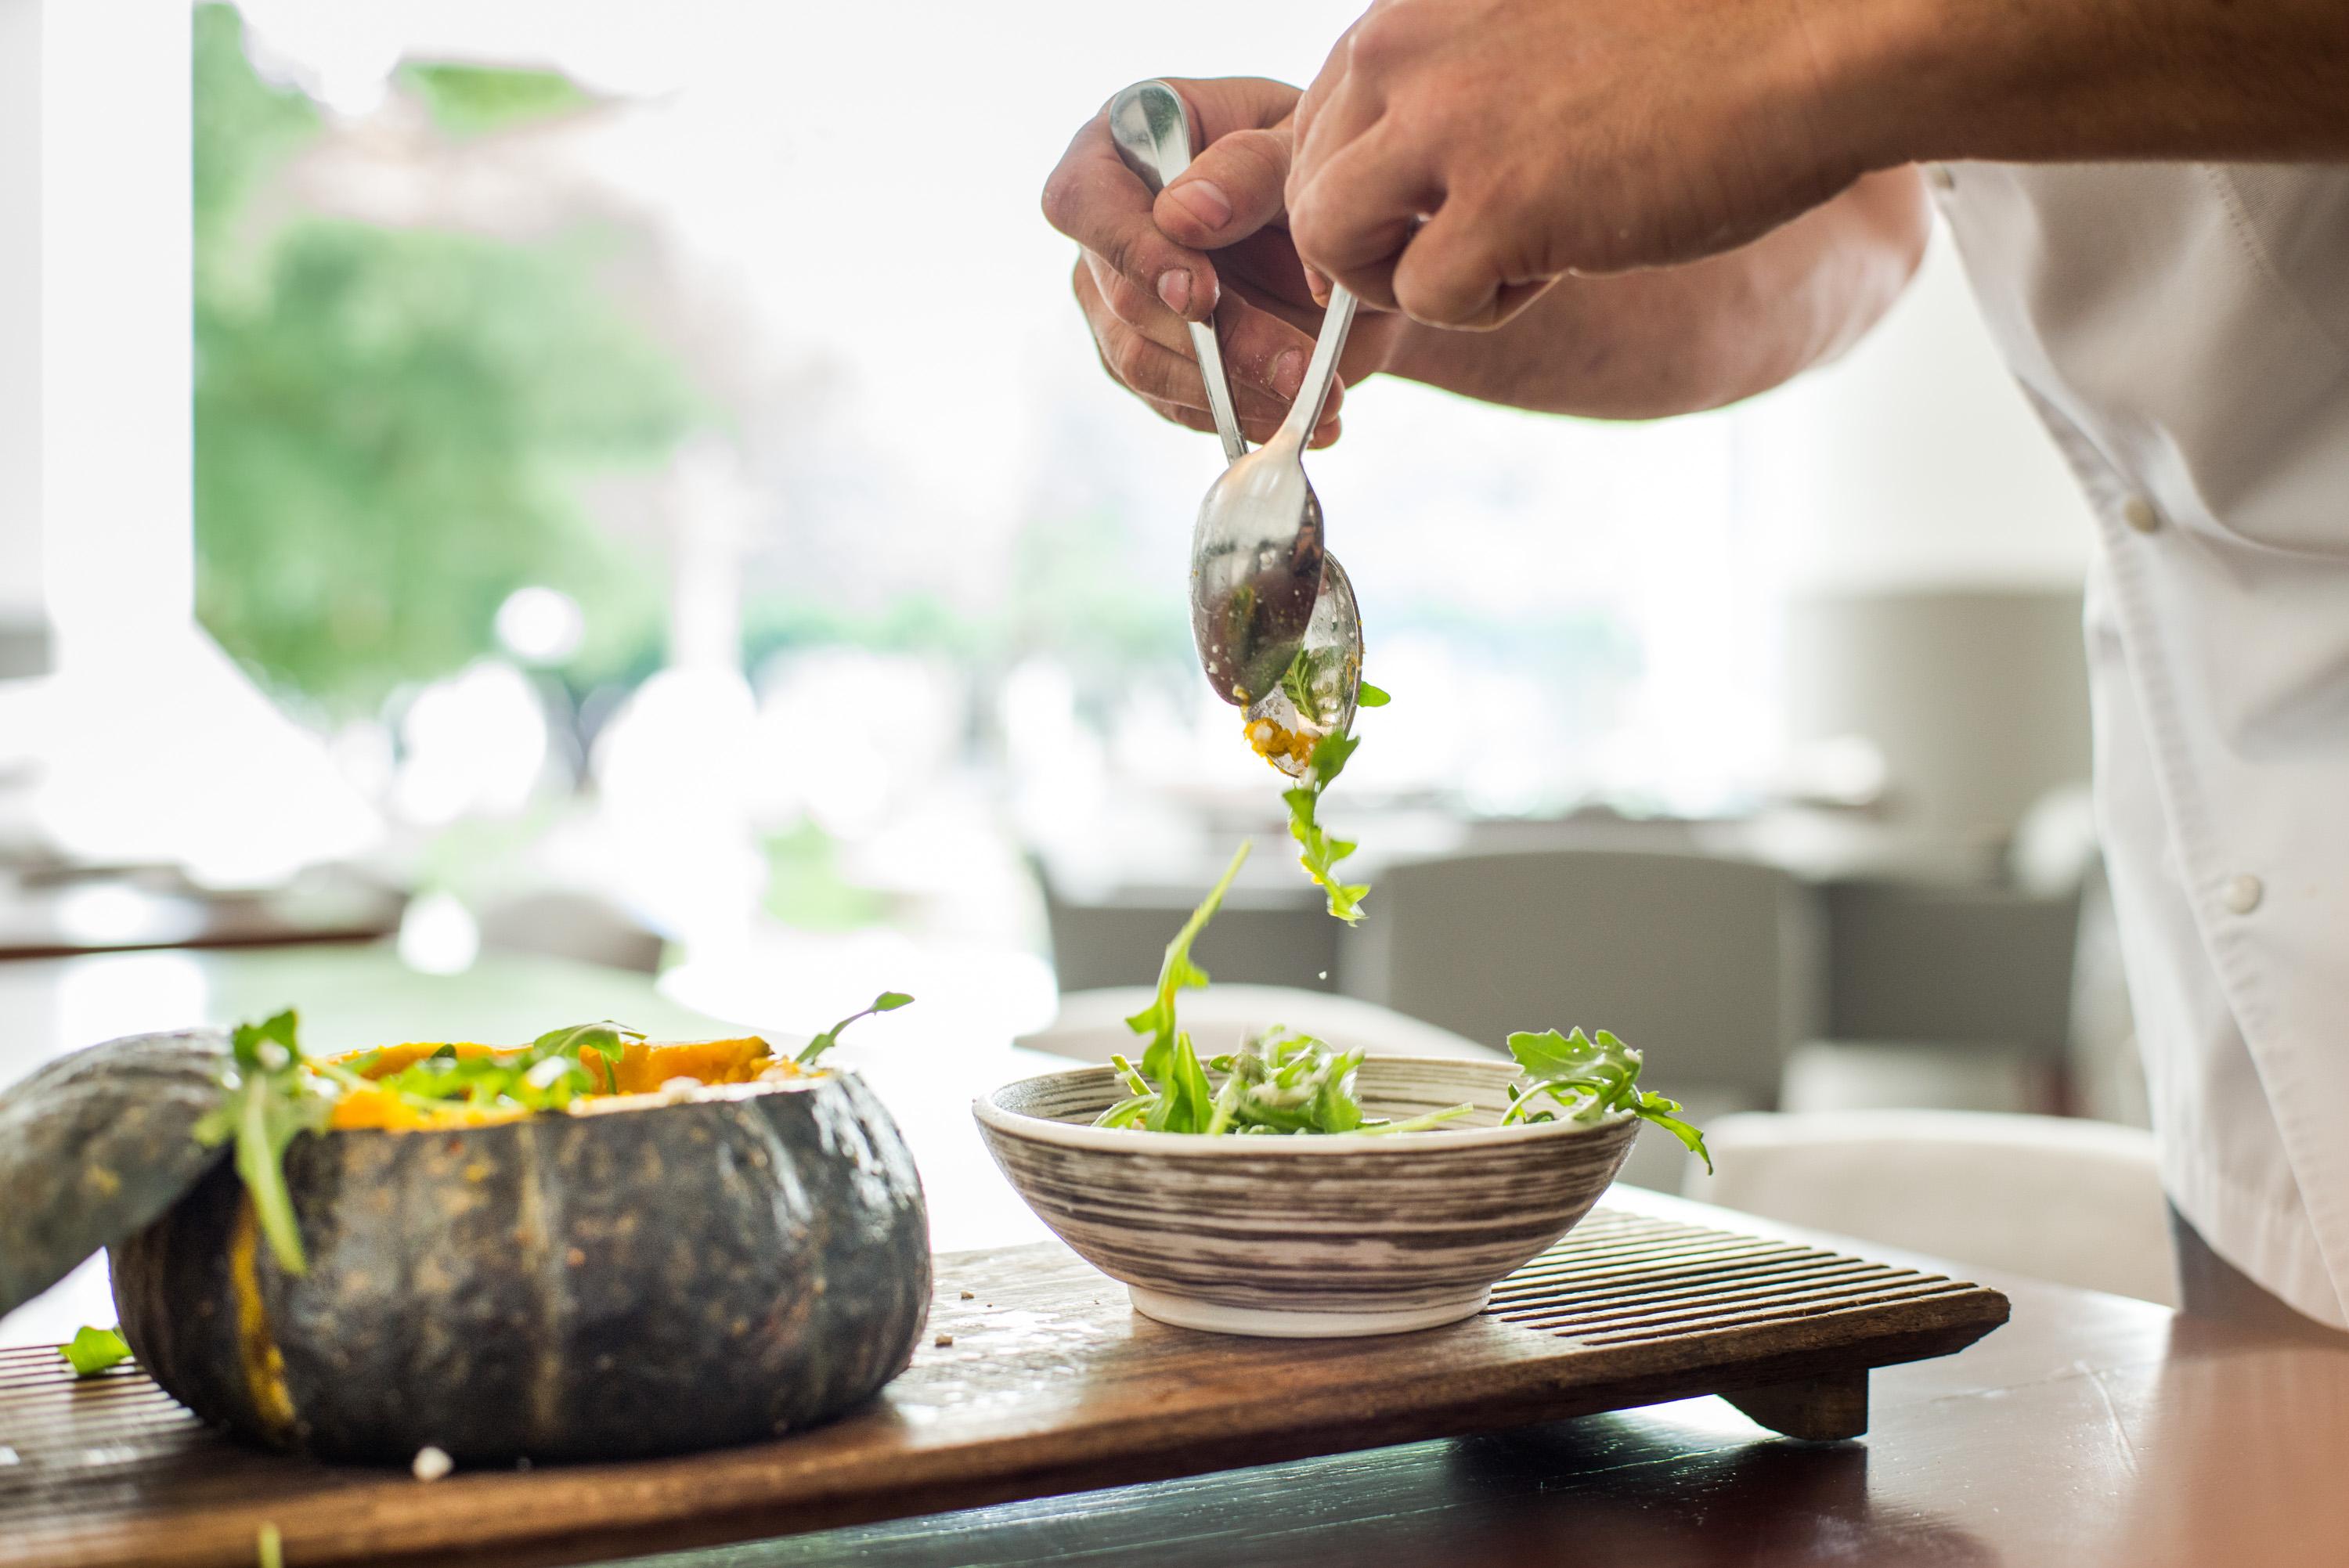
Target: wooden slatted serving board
1043 1381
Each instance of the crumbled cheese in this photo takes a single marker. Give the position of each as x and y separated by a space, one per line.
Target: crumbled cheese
432 1463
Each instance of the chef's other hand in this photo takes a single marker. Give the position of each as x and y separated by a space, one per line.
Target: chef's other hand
1454 157
1212 246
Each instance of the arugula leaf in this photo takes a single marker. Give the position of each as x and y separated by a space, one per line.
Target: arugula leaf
547 1075
887 1002
1369 696
1187 1104
94 1350
1321 850
1274 1083
1589 1079
1177 973
272 1099
607 1039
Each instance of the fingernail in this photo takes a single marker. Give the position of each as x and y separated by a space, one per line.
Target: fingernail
1204 201
1174 288
1289 372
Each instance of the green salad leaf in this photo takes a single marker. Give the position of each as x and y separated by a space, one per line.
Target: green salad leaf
1320 850
1177 973
93 1350
1314 684
1277 1082
1587 1079
272 1099
607 1039
547 1075
887 1002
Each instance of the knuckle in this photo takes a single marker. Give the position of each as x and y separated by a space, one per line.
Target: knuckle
1448 297
1132 358
1126 249
1256 162
1063 201
1380 41
1126 300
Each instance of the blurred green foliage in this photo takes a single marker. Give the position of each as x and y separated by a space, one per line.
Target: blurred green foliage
468 101
806 888
394 427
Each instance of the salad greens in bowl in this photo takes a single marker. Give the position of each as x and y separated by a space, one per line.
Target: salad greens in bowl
1299 1187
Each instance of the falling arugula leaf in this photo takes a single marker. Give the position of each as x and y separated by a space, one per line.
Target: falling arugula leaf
1369 696
93 1350
1588 1078
1177 973
887 1002
1321 850
272 1099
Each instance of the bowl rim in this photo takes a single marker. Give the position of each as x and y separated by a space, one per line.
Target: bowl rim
1085 1135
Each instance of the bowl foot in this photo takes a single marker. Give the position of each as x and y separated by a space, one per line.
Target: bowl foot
1279 1323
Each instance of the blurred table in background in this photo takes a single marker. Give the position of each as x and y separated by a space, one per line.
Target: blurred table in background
55 910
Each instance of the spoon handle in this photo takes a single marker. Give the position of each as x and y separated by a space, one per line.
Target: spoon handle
1153 132
1314 390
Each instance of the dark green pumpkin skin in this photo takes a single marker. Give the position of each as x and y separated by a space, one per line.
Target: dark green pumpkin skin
96 1144
648 1280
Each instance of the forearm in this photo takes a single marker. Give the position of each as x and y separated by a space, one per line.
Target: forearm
1645 345
2064 81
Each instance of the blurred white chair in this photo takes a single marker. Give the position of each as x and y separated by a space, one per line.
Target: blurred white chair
1707 964
2059 1198
1092 1024
563 924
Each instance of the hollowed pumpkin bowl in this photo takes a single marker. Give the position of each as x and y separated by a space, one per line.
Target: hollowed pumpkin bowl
662 1272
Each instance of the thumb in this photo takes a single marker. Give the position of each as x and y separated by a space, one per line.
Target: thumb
1232 188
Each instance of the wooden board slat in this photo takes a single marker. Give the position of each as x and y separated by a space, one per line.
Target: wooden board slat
1049 1383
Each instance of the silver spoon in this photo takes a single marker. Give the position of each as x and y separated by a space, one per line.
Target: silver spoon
1257 550
1151 127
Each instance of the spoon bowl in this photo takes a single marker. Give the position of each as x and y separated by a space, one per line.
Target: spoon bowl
1257 550
1315 696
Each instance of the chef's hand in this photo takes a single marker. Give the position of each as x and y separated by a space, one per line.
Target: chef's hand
1454 157
1213 245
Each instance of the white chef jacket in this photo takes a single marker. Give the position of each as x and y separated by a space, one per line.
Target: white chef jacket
2184 331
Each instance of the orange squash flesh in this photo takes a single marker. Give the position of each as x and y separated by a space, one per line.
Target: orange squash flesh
645 1068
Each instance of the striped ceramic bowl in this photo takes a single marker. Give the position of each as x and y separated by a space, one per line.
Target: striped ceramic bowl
1306 1237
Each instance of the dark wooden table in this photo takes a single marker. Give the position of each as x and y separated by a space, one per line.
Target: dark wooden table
2090 1430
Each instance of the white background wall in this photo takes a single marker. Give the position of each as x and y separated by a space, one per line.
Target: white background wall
21 603
1914 462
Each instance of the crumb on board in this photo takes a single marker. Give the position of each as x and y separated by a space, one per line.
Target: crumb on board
943 1340
970 1295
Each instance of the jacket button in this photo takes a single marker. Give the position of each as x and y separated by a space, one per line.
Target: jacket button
2140 514
2242 894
